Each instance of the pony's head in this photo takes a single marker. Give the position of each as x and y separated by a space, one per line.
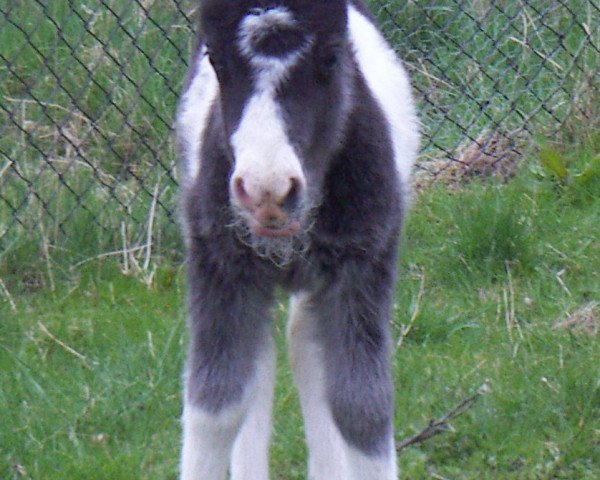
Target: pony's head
285 73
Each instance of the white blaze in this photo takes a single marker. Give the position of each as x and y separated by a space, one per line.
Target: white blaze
264 156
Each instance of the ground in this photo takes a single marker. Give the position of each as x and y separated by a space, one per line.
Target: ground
497 294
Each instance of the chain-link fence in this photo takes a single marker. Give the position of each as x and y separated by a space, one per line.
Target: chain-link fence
88 91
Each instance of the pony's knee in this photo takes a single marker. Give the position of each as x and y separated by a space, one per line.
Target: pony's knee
215 388
360 395
222 367
219 378
364 419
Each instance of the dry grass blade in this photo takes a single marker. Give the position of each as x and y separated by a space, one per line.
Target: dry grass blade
6 294
405 329
62 344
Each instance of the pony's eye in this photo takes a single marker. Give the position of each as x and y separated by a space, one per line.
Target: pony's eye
329 61
326 66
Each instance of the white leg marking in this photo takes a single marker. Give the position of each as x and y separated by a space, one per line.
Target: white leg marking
238 436
250 459
363 467
193 115
207 442
389 83
327 450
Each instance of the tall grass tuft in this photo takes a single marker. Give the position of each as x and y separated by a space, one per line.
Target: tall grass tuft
490 231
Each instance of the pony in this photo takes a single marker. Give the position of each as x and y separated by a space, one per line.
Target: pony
297 132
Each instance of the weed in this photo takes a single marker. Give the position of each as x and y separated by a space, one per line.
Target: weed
575 175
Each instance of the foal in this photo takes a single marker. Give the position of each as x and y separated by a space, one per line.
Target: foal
297 133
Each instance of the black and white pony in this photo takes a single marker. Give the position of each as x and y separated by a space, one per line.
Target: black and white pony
297 132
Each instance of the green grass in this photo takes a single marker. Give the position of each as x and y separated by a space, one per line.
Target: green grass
91 409
90 371
498 266
92 331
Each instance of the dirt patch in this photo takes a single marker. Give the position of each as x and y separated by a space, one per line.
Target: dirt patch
584 320
492 154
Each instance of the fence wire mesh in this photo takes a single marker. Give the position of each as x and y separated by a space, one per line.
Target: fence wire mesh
89 90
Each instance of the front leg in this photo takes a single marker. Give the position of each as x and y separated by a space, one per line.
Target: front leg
229 378
339 341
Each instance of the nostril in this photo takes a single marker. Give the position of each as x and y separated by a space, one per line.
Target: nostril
241 193
292 198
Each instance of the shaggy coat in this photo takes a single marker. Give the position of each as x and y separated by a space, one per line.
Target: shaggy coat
297 135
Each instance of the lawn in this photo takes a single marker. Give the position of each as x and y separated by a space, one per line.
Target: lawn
498 295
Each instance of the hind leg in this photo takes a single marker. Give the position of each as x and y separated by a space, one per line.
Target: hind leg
339 353
326 447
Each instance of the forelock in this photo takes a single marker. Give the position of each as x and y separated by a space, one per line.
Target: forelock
271 32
